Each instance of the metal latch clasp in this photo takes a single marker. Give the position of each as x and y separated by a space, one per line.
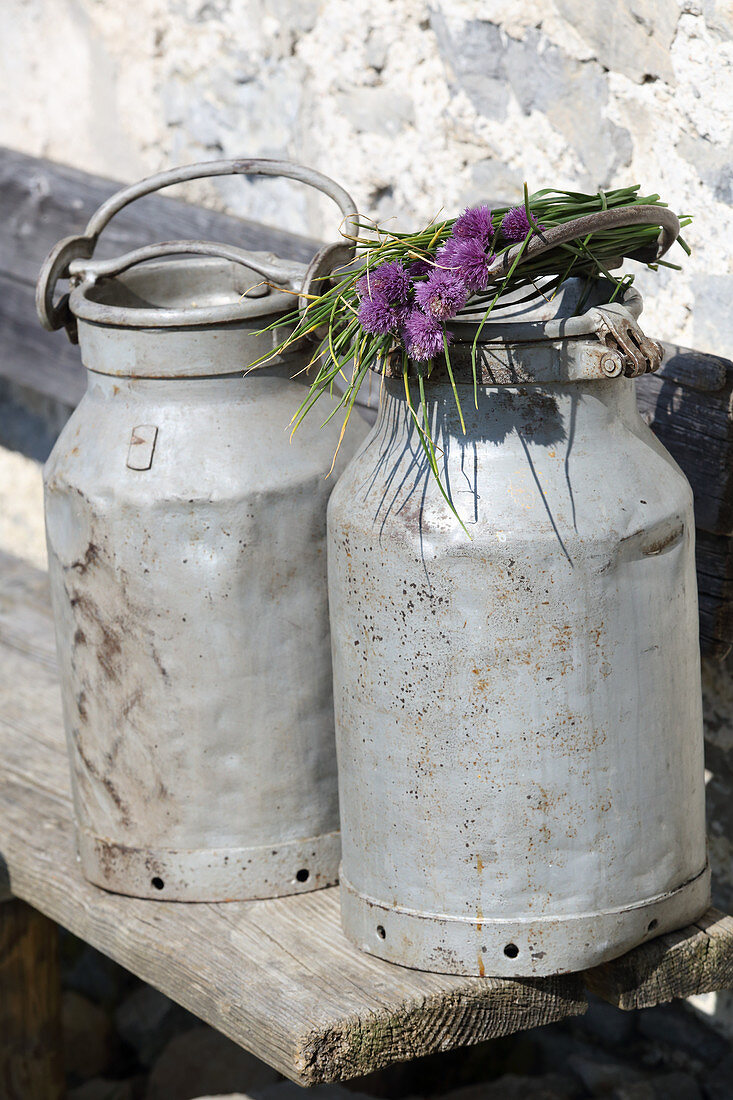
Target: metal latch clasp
630 353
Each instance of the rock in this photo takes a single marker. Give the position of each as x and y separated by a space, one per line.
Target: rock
718 1081
558 1044
88 1038
606 1022
635 42
102 1088
490 67
201 1061
378 110
676 1027
601 1076
287 1090
475 54
513 1087
713 328
719 17
147 1020
678 1085
91 973
638 1090
494 182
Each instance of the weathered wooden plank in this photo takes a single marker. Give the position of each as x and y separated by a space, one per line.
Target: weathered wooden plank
714 560
688 406
698 959
31 1061
41 376
276 976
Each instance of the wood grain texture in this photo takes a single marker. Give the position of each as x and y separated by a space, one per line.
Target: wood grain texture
31 1060
276 976
714 561
697 959
688 404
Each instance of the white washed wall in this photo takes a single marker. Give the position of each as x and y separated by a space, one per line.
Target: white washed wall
415 106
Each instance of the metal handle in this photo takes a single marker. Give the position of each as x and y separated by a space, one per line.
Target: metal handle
282 270
57 264
596 223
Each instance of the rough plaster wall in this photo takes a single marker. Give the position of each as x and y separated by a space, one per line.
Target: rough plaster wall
415 106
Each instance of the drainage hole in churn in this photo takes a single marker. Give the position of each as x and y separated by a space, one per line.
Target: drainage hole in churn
380 932
652 925
511 950
303 874
157 883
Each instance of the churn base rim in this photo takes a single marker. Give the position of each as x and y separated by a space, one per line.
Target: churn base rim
536 947
211 874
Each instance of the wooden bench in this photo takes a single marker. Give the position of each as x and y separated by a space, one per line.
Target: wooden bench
276 976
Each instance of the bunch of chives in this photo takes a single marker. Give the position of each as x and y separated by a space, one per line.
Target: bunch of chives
401 288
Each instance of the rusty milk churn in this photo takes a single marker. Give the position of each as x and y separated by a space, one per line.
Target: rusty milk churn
187 557
518 714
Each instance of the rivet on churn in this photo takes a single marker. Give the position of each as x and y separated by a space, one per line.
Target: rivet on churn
612 365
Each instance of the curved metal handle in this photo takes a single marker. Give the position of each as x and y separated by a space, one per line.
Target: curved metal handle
282 270
595 223
56 264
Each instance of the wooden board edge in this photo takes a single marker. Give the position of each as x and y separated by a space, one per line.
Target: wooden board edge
696 959
437 1023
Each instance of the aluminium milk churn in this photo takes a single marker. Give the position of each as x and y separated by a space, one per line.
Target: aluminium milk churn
186 545
518 714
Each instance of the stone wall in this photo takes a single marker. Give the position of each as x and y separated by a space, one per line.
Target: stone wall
416 106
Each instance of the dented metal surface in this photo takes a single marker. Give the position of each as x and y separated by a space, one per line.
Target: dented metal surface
187 557
518 715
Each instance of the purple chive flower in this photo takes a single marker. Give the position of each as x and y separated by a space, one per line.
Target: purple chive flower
475 222
378 316
389 280
423 336
442 295
418 268
515 224
468 260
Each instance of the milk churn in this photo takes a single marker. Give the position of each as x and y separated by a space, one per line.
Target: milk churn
186 544
518 713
